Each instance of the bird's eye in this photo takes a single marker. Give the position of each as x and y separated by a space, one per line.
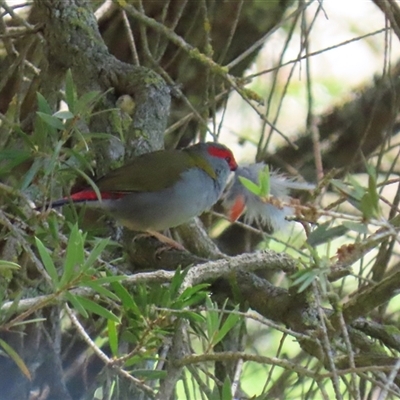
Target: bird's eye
228 159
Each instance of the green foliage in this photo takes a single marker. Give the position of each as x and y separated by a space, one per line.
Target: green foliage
366 200
79 271
304 278
226 389
16 358
324 233
151 312
262 188
218 323
57 149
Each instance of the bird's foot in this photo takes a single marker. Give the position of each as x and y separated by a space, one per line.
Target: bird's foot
170 243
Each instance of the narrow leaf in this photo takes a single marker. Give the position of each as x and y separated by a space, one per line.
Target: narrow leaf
229 323
86 100
95 308
176 281
65 114
76 304
264 181
356 226
16 358
5 316
226 389
31 174
43 105
74 255
47 261
324 234
8 265
51 121
250 186
346 189
96 252
112 337
125 297
99 289
190 291
109 279
211 319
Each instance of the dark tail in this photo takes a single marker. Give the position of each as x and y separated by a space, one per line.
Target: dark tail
79 197
57 204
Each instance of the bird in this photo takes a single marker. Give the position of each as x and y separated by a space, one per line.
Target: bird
161 189
238 200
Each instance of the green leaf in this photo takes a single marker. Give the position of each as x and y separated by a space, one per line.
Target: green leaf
226 389
52 221
126 298
264 181
369 204
95 253
30 175
212 319
51 121
369 207
176 281
357 188
6 315
306 277
356 226
70 91
77 158
325 234
191 296
229 323
74 255
86 100
43 105
307 282
47 261
95 308
347 190
8 265
250 186
76 304
191 316
11 158
112 337
65 114
54 160
108 279
29 321
16 358
136 359
93 284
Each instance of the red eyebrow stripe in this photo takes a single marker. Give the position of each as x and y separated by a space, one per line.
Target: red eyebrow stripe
218 152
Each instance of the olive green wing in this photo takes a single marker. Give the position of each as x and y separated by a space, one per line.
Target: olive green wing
147 173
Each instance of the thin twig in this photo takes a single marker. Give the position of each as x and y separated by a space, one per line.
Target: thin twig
103 357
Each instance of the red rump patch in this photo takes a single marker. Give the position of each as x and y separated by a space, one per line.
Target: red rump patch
237 209
90 195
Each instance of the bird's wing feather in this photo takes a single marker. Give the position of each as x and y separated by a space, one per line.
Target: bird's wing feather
150 172
200 162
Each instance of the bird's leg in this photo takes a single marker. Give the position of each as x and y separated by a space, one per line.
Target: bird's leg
166 240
